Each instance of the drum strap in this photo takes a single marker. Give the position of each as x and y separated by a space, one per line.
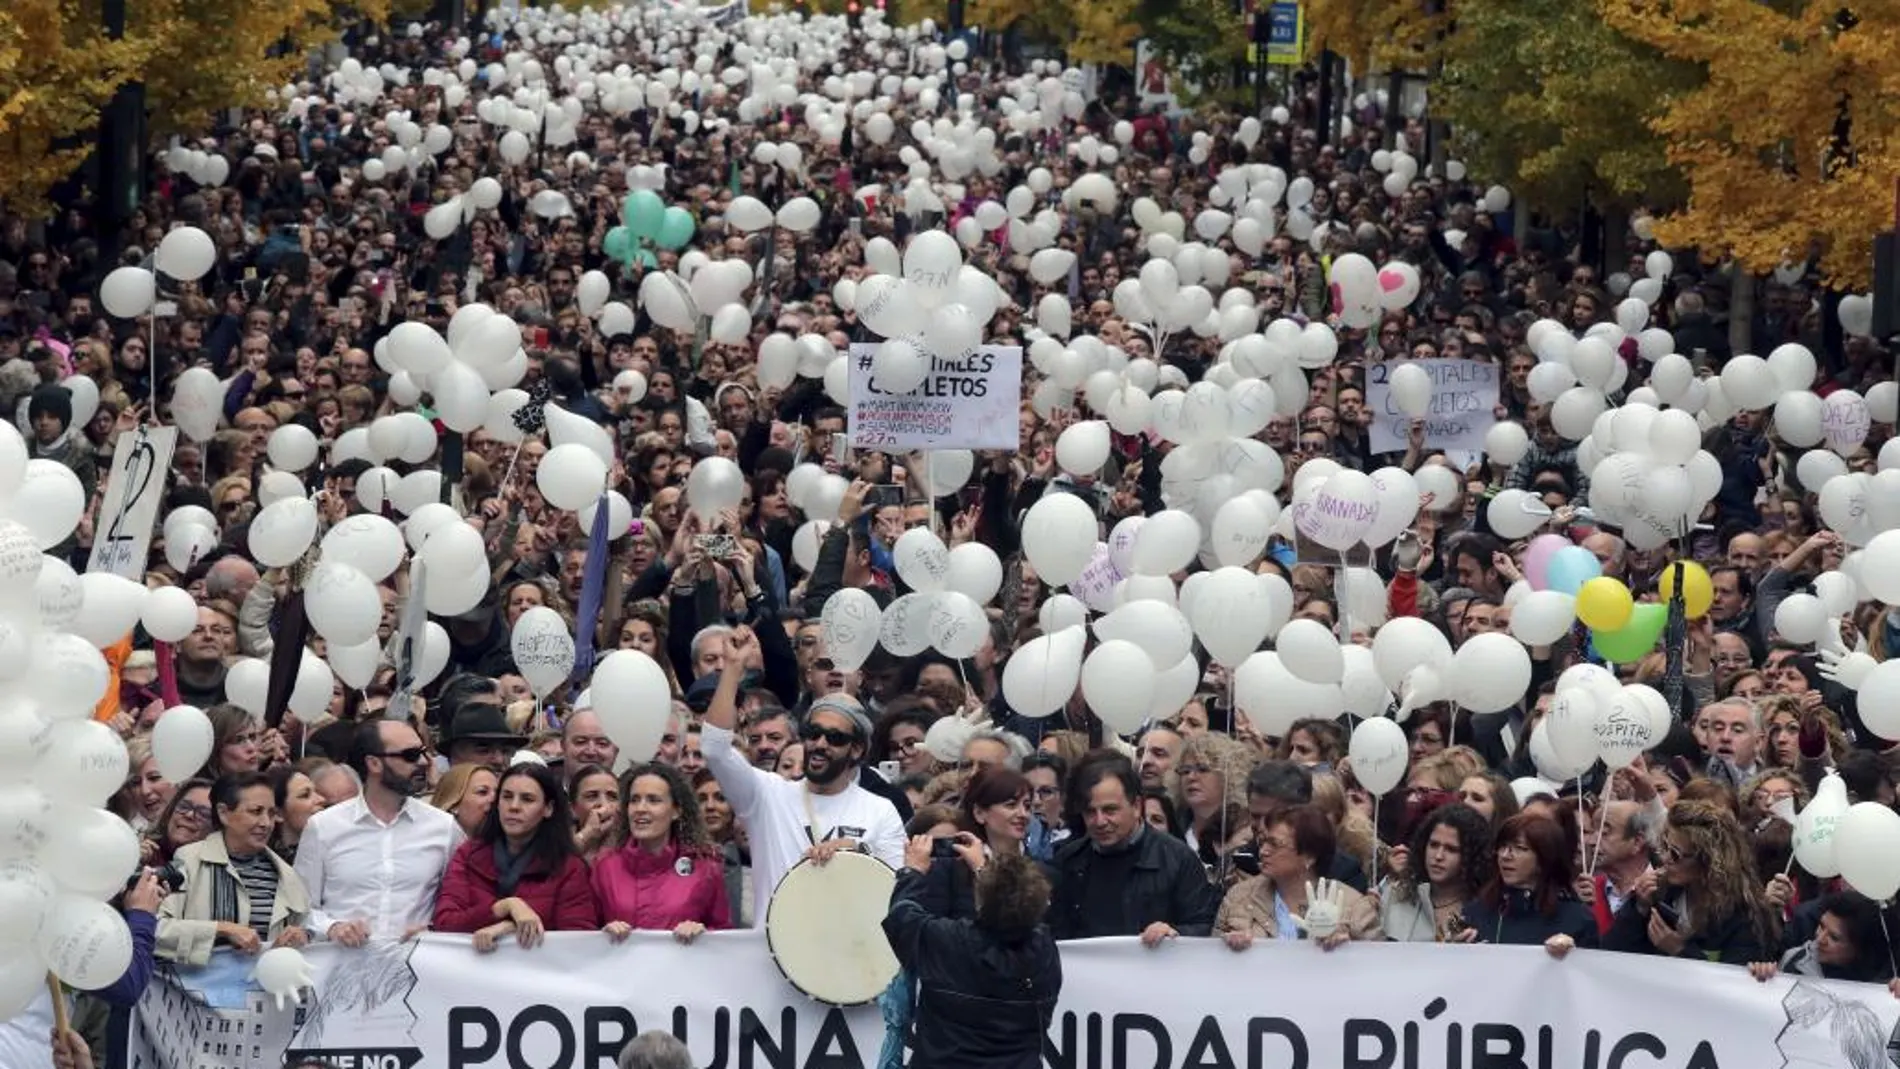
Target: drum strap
811 816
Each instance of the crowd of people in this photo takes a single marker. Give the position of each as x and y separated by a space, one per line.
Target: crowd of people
481 808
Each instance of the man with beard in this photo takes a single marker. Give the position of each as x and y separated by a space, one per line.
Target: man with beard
815 817
373 864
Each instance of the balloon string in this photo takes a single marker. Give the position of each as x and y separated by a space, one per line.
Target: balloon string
509 476
1886 936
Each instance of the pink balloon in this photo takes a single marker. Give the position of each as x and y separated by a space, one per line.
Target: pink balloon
1537 558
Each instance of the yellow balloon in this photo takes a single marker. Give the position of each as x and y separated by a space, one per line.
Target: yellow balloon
1698 590
1604 604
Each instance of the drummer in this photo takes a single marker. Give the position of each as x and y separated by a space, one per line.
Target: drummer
815 817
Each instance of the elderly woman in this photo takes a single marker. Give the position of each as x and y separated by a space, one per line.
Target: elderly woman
1289 899
237 892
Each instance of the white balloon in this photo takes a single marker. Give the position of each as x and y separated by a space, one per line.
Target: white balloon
571 476
1867 848
85 941
1379 752
182 741
1490 672
1058 537
633 701
1039 678
82 763
1118 682
282 530
543 649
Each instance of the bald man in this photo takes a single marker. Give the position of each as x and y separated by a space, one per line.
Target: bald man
230 580
1748 552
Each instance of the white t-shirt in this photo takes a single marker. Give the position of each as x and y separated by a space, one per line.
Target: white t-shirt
26 1041
775 813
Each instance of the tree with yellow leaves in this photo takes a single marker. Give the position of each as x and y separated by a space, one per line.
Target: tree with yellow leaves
57 69
217 54
1103 31
1377 33
1794 141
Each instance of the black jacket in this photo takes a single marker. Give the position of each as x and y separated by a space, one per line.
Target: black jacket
1731 941
984 1000
1518 922
1167 883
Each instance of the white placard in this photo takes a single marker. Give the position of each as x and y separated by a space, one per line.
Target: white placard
968 403
1463 408
122 532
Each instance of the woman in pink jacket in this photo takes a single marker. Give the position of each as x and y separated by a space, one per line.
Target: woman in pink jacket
668 875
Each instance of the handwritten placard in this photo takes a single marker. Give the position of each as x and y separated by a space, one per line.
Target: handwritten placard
134 490
1463 403
964 403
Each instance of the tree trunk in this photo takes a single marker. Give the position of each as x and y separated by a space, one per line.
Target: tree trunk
1741 309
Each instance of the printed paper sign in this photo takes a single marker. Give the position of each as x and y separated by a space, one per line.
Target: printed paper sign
1464 400
966 403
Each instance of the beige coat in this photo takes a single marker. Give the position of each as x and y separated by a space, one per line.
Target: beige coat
1248 907
186 932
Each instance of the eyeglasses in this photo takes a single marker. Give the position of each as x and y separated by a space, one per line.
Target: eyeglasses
409 756
1193 770
1046 792
832 736
907 745
1672 852
193 811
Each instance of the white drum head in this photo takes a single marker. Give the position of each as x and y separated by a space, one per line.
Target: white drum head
825 927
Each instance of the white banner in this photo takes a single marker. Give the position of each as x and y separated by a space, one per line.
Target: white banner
1463 408
572 1003
967 403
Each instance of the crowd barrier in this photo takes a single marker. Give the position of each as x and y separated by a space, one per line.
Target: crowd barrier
573 1002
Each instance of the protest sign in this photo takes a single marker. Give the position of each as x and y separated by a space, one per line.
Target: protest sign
966 403
573 1002
1464 397
135 488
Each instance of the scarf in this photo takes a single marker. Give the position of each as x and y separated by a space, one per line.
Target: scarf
510 868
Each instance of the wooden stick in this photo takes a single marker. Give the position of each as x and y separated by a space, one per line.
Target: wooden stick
60 1021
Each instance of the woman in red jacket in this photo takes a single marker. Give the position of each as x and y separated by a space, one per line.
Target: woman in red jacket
668 875
520 875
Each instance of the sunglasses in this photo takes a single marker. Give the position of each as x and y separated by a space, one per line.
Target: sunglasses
411 755
831 736
823 664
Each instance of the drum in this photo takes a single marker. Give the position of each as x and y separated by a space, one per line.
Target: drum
825 928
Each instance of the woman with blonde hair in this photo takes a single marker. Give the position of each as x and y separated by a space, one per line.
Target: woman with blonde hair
467 793
1709 903
1211 796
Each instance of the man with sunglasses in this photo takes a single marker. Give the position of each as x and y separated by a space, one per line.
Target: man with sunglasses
373 865
826 812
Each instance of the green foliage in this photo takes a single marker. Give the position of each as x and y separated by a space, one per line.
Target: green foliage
1547 99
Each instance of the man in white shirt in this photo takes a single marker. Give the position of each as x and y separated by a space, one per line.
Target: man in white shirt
816 817
373 864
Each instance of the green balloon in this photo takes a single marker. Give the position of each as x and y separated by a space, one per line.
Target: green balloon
1634 640
618 244
676 228
643 212
646 258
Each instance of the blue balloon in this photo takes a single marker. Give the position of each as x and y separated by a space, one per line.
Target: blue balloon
1570 568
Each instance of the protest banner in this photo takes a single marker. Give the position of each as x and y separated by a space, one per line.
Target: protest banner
1464 397
572 1003
967 403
